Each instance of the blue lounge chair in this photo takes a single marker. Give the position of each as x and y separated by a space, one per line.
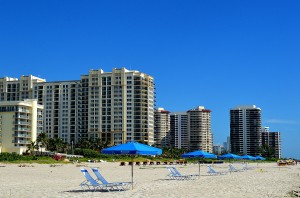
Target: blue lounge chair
173 175
211 171
233 169
193 176
90 183
111 185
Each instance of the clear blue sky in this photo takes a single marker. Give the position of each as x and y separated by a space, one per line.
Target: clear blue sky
217 54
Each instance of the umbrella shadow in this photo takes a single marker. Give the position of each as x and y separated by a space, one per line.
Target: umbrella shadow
91 190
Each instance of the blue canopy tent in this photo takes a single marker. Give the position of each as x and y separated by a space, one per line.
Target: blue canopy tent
132 148
260 158
199 154
229 156
248 157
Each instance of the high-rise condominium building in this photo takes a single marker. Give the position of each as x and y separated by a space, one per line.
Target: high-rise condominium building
272 140
115 106
61 109
121 106
13 89
179 130
199 129
162 128
245 130
20 123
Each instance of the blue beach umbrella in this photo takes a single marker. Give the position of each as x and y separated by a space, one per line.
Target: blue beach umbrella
260 158
132 148
199 154
229 156
248 157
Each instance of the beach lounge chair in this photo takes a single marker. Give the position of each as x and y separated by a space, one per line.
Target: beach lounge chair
246 167
233 169
173 175
211 171
113 185
90 183
193 176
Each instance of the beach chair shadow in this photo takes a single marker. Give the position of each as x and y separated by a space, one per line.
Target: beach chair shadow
111 185
211 171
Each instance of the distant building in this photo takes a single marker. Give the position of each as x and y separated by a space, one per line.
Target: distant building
226 145
162 128
20 124
199 129
179 130
272 140
245 130
218 149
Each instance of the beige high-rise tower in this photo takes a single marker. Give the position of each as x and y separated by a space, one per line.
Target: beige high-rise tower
199 129
121 106
20 123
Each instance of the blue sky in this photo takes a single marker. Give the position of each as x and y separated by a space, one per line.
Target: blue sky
217 54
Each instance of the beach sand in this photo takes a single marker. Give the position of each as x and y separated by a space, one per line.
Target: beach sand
42 180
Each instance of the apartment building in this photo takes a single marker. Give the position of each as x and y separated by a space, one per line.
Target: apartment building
115 106
272 140
61 107
179 130
121 106
20 123
14 89
245 130
199 129
162 128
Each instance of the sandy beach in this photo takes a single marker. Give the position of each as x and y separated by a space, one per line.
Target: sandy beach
42 180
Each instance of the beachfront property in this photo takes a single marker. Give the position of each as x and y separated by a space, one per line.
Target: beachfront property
245 130
179 130
20 123
115 106
272 139
187 130
199 129
162 128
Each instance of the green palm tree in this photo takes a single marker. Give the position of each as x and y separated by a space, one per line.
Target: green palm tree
42 139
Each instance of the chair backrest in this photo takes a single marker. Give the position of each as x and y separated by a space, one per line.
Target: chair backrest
211 170
99 176
88 177
170 170
176 171
231 168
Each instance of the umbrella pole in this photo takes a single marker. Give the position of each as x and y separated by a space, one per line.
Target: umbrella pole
132 172
199 168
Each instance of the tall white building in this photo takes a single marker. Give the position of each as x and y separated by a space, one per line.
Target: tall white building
61 107
162 128
199 129
121 106
20 124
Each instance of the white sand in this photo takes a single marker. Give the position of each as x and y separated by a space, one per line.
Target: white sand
266 180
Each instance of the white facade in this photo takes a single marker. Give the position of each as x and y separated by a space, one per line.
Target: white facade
162 128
